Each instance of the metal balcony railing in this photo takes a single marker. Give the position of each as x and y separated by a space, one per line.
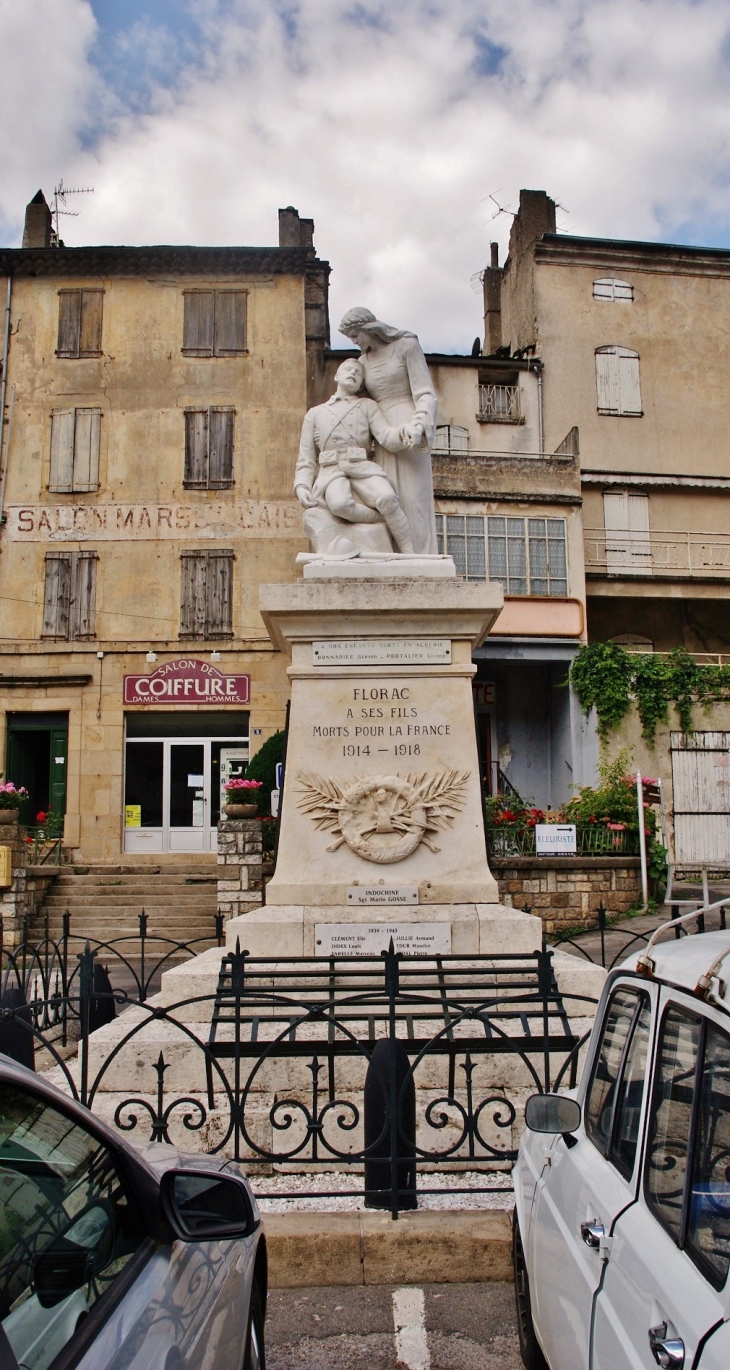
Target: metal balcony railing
499 404
622 552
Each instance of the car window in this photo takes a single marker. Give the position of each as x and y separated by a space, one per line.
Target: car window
688 1158
615 1094
67 1226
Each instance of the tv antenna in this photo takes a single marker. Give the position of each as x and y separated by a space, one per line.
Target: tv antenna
59 198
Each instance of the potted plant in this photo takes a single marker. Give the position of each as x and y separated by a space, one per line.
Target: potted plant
241 798
11 797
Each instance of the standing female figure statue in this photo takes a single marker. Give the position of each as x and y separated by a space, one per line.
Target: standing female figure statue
396 375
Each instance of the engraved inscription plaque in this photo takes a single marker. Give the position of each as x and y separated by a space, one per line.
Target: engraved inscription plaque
427 651
382 894
363 939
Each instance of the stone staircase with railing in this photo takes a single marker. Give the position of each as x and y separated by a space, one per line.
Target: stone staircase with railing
104 903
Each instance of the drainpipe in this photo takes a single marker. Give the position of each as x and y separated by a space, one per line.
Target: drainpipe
4 382
540 435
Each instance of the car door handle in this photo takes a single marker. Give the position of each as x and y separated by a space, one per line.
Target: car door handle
593 1234
667 1351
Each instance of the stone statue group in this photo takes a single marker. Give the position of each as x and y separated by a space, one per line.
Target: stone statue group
354 503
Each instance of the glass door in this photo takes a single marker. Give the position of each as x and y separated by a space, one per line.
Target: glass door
188 798
174 790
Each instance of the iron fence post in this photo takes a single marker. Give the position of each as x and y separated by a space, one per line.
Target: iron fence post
65 933
219 921
544 989
602 930
392 983
142 937
86 986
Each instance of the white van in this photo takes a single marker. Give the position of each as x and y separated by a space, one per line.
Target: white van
622 1219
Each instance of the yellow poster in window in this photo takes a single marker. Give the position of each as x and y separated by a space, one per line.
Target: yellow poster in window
133 815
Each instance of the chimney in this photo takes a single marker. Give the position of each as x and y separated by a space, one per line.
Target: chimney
38 222
492 286
296 232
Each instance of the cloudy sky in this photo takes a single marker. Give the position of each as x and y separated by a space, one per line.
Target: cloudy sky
392 123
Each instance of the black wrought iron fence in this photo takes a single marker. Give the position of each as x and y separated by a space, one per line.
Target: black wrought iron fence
606 944
376 1066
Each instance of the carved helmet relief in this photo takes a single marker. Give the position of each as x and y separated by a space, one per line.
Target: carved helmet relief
384 818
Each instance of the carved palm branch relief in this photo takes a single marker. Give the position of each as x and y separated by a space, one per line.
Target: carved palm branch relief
384 818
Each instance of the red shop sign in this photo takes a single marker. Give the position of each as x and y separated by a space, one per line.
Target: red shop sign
187 680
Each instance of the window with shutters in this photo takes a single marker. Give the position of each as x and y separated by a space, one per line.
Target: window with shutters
628 539
209 448
451 440
214 323
79 323
206 594
75 436
610 288
617 381
69 601
527 555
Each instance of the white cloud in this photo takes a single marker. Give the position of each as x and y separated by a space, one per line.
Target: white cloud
373 118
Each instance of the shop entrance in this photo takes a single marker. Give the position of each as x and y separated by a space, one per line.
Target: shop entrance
176 766
37 756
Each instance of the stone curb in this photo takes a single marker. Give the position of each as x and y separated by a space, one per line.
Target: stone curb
369 1248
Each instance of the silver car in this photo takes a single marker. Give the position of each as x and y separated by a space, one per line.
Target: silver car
114 1257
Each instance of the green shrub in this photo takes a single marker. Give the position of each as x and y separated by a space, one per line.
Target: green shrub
263 767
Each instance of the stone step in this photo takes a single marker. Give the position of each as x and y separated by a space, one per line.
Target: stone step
136 899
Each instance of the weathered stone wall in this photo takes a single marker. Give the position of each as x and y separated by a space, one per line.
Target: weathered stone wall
566 890
25 895
240 854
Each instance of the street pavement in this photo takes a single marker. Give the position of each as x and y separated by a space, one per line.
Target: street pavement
386 1327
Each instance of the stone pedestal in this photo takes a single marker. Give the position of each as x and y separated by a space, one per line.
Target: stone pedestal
382 775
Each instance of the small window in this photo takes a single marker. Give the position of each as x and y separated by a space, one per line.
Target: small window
79 323
618 388
209 448
69 600
528 556
451 440
499 404
610 288
75 438
214 323
69 1226
206 594
616 1092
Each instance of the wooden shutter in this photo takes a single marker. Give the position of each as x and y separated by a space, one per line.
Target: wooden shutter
57 595
219 608
83 596
607 382
193 595
626 520
90 323
629 386
69 323
230 322
196 448
220 449
63 422
198 324
86 450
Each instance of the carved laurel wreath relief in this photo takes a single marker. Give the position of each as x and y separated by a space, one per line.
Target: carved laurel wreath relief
384 818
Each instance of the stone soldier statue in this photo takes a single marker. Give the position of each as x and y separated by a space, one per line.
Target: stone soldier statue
334 470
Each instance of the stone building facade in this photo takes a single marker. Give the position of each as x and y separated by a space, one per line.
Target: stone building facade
153 400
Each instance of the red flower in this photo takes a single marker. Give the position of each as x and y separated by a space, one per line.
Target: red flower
40 818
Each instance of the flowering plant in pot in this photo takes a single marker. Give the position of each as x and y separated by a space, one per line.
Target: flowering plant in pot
241 798
11 797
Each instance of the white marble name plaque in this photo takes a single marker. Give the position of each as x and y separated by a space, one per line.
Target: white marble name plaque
399 651
382 894
363 939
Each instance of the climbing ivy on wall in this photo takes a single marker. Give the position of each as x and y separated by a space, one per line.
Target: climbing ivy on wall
605 675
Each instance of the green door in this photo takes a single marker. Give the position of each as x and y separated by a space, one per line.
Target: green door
37 757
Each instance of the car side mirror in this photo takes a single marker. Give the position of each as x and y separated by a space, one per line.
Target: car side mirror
204 1205
552 1113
